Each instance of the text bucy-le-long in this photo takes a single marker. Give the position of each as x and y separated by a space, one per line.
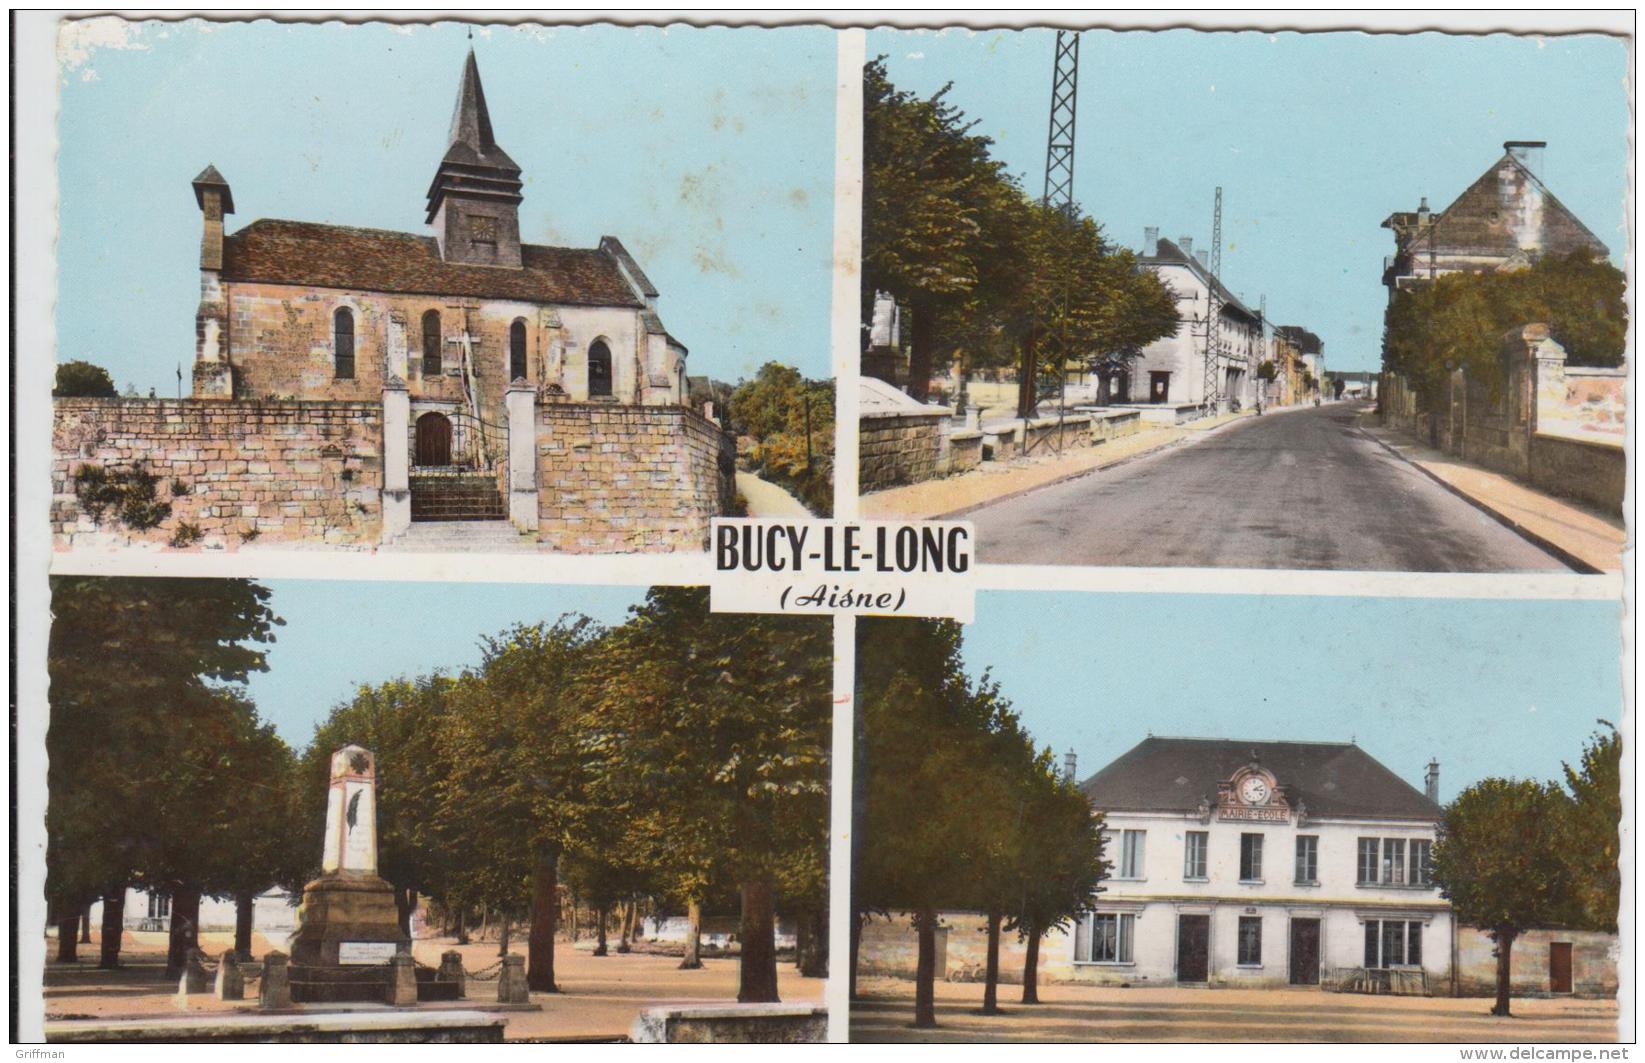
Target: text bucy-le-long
801 547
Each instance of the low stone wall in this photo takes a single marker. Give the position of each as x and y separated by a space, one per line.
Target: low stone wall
890 948
964 451
900 448
1594 958
230 472
1109 424
630 479
1589 471
765 1024
1045 435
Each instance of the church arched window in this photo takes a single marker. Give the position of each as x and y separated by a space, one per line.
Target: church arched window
516 350
342 335
599 370
431 343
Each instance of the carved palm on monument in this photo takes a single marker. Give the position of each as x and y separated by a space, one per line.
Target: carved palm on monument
348 914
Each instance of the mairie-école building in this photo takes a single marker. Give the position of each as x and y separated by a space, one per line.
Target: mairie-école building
349 384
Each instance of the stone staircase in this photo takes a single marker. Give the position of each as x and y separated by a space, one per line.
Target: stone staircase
463 537
456 497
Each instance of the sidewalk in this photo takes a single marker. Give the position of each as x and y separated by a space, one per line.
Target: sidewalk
995 481
1579 536
766 499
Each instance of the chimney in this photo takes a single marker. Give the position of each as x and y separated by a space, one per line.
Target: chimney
1528 153
1186 243
1204 257
1422 212
1070 760
1150 240
1430 781
215 199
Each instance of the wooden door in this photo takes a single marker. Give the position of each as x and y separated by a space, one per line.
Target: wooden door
1305 952
1193 948
433 440
1559 967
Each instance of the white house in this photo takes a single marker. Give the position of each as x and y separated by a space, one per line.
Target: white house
1169 374
273 913
1256 864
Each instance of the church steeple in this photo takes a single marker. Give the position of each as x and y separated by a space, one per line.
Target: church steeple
474 201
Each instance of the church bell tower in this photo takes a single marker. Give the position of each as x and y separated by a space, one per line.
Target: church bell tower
474 202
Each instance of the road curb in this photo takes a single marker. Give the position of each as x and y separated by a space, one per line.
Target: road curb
1542 542
1204 433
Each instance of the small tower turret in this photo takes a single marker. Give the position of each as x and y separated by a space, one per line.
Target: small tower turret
474 201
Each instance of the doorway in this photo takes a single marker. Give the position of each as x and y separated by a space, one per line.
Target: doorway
1559 967
1159 387
1305 952
1194 948
433 440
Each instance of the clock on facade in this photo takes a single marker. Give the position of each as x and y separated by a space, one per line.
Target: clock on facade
1254 790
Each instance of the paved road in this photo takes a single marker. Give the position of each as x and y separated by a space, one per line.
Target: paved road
1296 489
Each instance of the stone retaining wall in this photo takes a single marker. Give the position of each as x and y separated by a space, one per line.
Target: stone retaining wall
1587 470
1593 962
231 472
629 479
900 448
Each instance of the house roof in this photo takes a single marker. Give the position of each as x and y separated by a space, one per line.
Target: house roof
1329 778
1169 254
273 251
1300 338
1486 218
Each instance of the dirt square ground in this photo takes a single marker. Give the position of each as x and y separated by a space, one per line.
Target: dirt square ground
885 1012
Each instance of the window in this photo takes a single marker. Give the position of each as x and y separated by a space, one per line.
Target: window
1104 937
1393 861
516 350
1193 861
1250 858
599 370
342 334
1422 858
159 906
1250 936
1307 858
1131 853
432 365
1367 861
1393 943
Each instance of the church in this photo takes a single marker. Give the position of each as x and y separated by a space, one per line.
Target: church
455 388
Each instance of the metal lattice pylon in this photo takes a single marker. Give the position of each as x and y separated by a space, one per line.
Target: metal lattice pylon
1212 394
1058 196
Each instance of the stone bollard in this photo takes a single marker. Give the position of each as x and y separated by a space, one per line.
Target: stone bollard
275 989
451 970
973 418
195 979
511 987
231 981
402 980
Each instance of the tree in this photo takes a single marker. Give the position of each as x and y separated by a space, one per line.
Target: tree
1457 320
714 729
83 380
1500 859
1594 838
516 784
791 420
1062 864
144 674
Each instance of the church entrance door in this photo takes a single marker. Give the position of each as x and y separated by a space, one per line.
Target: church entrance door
433 440
1194 949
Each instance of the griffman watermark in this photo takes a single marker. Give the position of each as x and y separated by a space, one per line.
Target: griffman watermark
37 1053
886 568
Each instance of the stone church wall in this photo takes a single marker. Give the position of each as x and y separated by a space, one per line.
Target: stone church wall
231 473
629 479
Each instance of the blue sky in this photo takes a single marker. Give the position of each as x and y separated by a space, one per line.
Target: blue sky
710 153
1489 687
340 634
1315 139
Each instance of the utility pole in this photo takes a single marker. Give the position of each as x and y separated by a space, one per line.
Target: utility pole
1212 392
1057 196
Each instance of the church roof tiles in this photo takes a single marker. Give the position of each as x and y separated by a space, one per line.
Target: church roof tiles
273 251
